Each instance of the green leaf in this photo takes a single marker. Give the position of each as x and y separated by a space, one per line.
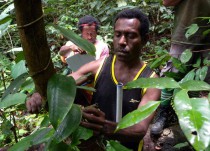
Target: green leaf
18 69
206 61
193 85
198 63
186 55
178 65
194 119
77 40
87 88
80 133
160 60
15 85
13 99
159 83
138 115
4 25
28 85
60 146
61 91
189 76
180 145
203 73
38 137
192 29
69 124
115 146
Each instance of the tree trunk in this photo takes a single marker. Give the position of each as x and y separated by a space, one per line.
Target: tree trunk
30 24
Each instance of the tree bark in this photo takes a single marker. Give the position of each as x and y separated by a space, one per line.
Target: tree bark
32 33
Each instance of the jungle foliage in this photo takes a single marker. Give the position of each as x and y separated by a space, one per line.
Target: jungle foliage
20 130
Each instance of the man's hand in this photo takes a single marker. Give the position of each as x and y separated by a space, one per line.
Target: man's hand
93 119
34 103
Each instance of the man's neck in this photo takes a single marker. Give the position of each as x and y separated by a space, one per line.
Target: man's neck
126 71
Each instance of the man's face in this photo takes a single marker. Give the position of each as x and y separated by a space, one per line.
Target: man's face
127 39
89 33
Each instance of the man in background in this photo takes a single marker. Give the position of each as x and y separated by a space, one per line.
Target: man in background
88 26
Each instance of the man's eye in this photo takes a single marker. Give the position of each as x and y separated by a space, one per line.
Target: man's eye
117 34
131 35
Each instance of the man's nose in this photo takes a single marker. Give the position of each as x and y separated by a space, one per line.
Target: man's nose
90 36
122 40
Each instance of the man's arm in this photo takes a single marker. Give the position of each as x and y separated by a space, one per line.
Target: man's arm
34 103
171 2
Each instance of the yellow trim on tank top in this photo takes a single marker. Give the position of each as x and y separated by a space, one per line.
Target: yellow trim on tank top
113 75
141 143
99 69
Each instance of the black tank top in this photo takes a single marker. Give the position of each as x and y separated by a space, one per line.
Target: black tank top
105 85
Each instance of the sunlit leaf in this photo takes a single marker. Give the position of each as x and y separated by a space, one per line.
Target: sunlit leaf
77 40
61 91
186 55
4 25
194 119
138 115
193 85
152 83
191 30
13 99
38 137
69 124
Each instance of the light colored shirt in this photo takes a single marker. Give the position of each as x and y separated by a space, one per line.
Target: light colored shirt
102 49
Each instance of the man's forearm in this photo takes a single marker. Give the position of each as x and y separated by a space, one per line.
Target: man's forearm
171 2
64 50
132 134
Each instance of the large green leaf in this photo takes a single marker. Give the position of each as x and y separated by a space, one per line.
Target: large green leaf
69 124
194 119
18 69
159 83
15 85
61 91
115 146
138 115
77 40
193 85
38 137
13 99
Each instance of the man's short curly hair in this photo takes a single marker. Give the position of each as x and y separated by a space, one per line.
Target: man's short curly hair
88 19
135 13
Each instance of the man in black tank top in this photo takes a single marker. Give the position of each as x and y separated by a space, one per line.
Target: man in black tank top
130 35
